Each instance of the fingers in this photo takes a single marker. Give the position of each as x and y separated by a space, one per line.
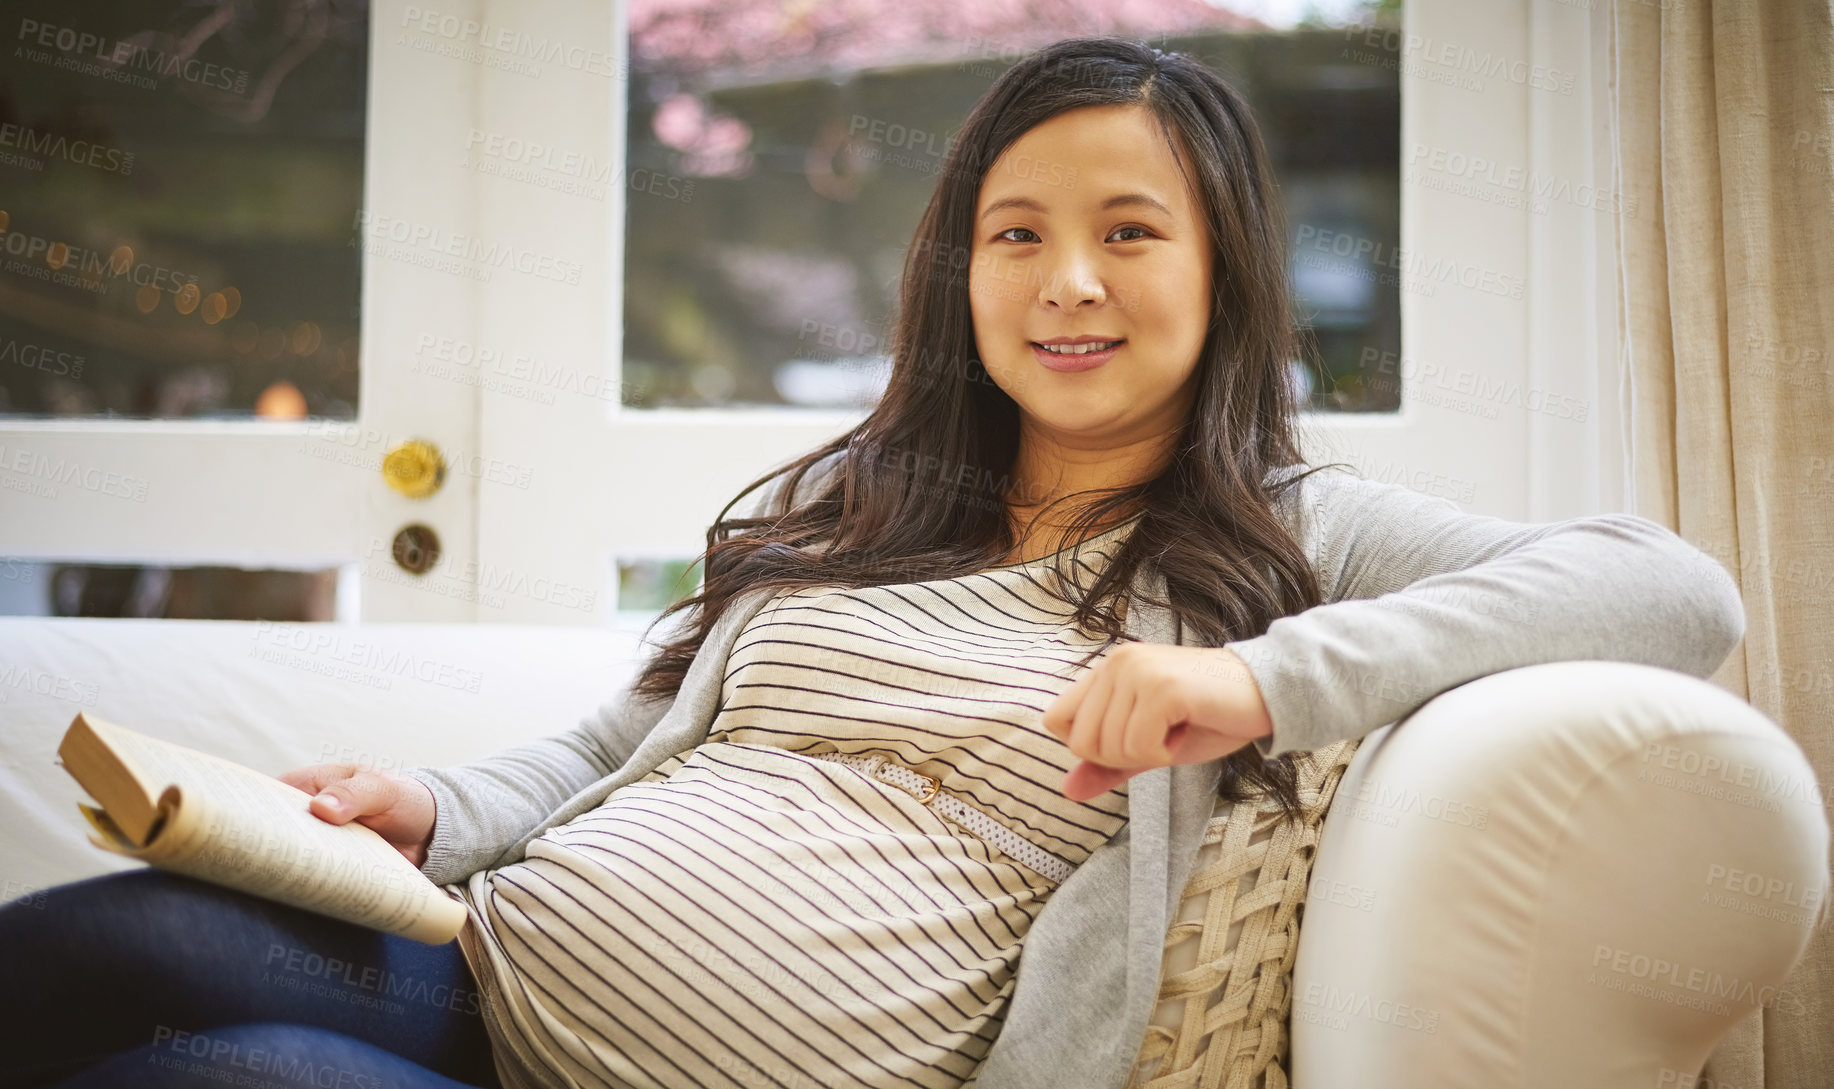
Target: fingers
1107 717
1122 723
360 795
1126 736
1125 747
381 800
1147 706
1060 717
313 779
1085 737
1135 735
334 789
1087 780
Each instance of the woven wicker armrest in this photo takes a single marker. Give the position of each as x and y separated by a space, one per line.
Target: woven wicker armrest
1226 987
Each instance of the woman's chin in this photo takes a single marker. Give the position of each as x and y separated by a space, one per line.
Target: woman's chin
1089 413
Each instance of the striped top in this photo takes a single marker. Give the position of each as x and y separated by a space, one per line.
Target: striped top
748 914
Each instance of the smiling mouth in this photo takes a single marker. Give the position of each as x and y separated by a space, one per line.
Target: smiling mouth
1078 349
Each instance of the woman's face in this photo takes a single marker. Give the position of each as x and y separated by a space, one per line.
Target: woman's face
1085 231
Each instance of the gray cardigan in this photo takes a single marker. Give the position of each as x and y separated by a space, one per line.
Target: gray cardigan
1420 597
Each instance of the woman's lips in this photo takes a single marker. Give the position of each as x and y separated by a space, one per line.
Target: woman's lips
1087 361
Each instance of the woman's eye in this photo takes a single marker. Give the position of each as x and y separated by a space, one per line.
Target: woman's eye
1007 234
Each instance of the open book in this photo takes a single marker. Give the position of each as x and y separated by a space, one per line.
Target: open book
218 821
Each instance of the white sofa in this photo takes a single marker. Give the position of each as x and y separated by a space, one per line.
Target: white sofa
1578 874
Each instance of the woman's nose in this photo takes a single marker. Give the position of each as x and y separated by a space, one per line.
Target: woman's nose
1071 281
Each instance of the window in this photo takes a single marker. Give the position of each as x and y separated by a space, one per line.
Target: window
180 181
785 174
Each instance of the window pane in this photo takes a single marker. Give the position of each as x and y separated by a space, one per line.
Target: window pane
29 588
789 173
651 585
178 182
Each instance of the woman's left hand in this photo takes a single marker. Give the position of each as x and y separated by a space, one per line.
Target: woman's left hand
1150 705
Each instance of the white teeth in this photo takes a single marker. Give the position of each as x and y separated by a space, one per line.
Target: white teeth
1079 349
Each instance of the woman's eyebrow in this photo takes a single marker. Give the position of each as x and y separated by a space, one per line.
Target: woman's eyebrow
1123 199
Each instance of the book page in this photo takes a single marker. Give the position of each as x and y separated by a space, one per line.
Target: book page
235 826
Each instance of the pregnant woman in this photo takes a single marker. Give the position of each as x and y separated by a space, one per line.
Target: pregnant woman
904 798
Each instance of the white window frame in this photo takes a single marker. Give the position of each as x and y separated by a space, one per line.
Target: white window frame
1536 358
1515 403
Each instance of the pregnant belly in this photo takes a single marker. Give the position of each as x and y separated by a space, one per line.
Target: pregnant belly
761 905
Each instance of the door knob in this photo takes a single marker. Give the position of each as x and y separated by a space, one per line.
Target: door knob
414 468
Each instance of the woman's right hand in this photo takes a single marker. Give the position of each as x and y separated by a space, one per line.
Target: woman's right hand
397 807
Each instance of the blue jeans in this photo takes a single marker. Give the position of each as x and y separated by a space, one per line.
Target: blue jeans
148 978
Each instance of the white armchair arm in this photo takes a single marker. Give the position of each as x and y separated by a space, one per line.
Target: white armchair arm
1577 874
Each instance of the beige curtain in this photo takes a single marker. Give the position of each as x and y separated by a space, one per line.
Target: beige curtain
1722 133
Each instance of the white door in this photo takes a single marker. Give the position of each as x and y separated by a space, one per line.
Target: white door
305 494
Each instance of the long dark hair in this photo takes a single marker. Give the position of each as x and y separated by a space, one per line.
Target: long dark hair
918 491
